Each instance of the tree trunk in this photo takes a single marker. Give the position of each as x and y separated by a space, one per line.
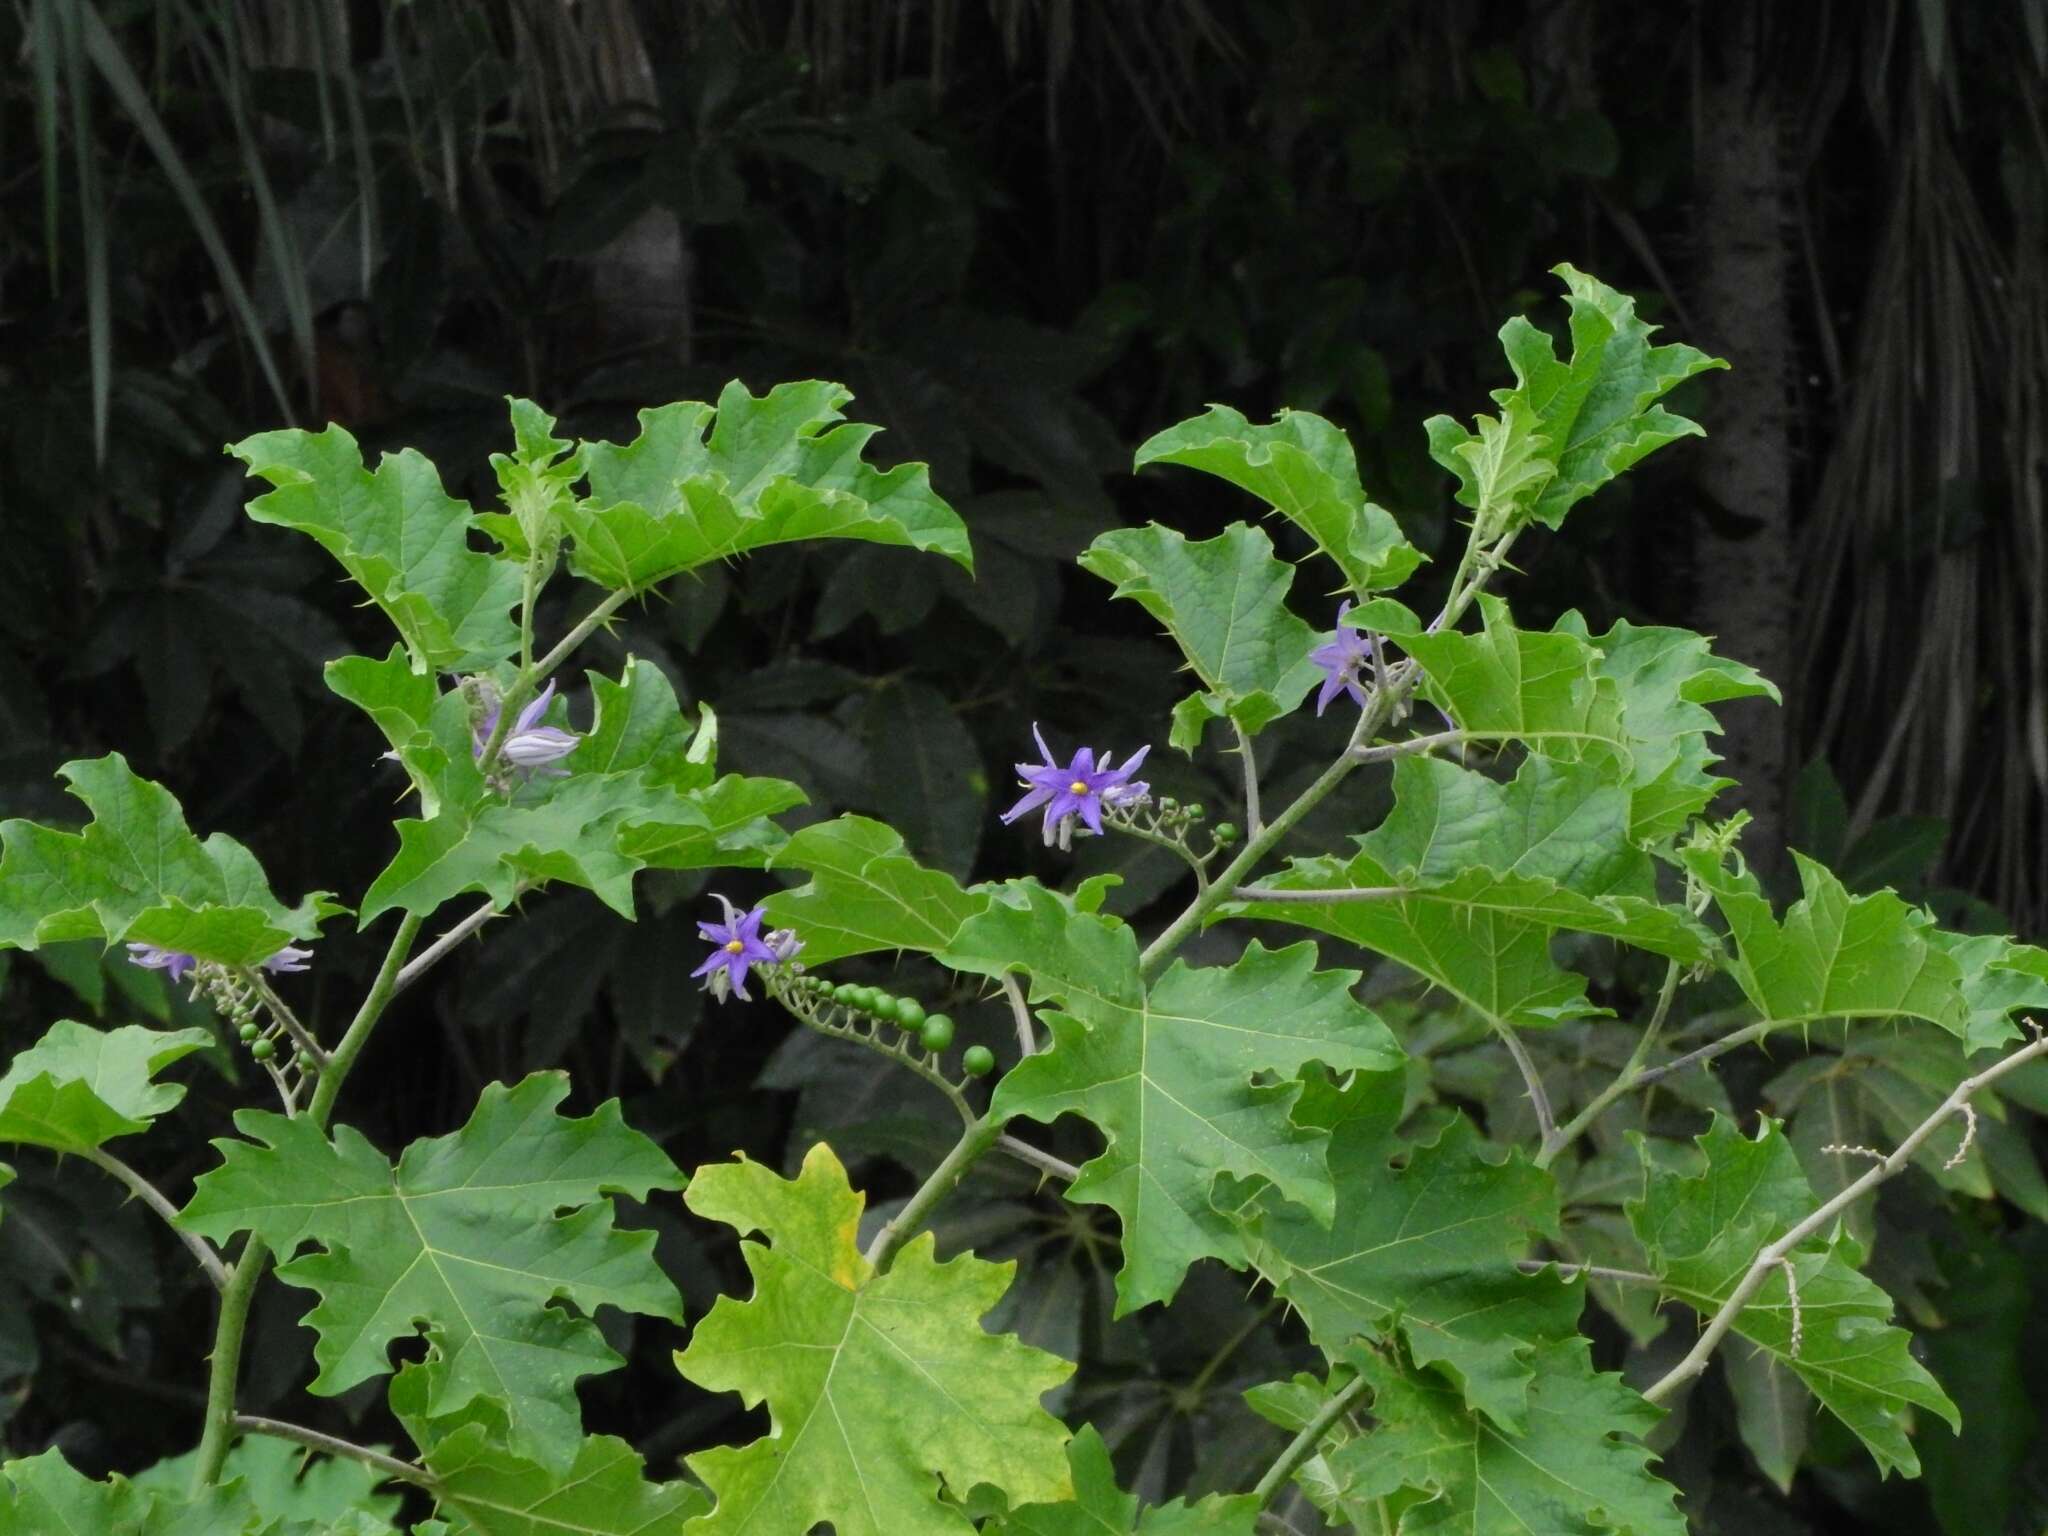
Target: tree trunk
1744 571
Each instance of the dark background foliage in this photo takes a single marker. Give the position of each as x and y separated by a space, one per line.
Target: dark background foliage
1027 233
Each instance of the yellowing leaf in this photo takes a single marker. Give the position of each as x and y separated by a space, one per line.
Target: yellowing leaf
882 1390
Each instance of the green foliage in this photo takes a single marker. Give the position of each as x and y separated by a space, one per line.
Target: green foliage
287 1482
865 893
1412 1183
136 873
78 1088
1578 1466
1834 955
446 1243
1224 601
401 537
1304 469
1099 1506
1173 1075
1421 1247
1568 427
769 472
1819 1319
639 792
877 1384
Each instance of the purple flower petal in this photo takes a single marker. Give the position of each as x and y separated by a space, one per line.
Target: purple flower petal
288 960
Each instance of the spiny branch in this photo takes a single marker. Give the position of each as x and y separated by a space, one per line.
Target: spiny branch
1777 1254
334 1445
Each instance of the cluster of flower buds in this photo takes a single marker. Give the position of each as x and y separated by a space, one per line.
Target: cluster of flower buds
237 997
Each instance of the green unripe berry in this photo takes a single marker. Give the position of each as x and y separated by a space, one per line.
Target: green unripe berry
1168 805
869 999
910 1013
1196 810
263 1050
937 1033
248 1032
887 1008
978 1060
847 995
1225 833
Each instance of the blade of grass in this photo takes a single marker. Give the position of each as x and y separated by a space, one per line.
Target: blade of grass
115 70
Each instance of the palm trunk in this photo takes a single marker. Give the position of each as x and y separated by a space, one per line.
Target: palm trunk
1744 561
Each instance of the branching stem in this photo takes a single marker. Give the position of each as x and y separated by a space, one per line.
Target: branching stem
1777 1253
1044 1162
1629 1076
1320 894
225 1365
979 1136
1020 1014
531 677
1384 705
390 1466
1252 820
154 1198
438 951
1304 1445
1571 1271
1539 1096
1414 746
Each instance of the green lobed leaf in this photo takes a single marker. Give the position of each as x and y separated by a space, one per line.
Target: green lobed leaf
1304 468
1424 1251
135 872
1177 1079
78 1087
447 1244
1664 679
1063 947
44 1496
1631 702
877 1386
1585 420
1100 1508
774 469
1999 978
482 1489
1578 1468
638 793
286 1482
1495 868
865 893
1834 955
399 535
1224 601
1773 1411
1702 1231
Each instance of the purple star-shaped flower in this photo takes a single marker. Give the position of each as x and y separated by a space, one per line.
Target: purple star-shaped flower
1342 658
740 946
529 744
1080 788
176 964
